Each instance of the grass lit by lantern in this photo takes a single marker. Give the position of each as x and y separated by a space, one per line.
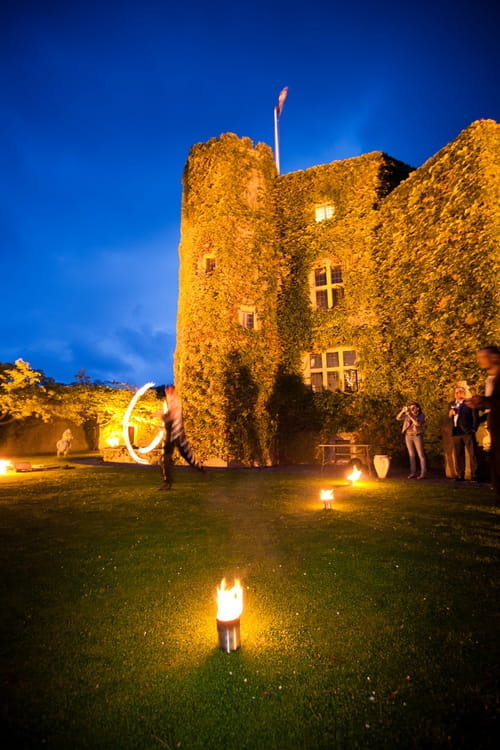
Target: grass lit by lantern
371 626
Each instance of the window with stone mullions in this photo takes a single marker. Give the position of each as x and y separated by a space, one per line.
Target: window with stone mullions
329 290
324 211
336 274
332 359
322 299
320 278
333 370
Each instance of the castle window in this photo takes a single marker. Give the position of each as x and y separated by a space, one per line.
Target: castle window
316 362
336 274
322 299
316 381
209 264
320 276
332 370
324 211
327 286
337 295
351 384
248 318
332 380
332 359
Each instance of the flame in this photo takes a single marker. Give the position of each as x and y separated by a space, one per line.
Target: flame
354 475
4 465
326 495
229 601
112 442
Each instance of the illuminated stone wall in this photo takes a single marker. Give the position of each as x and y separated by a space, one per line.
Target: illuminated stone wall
437 252
227 347
420 262
353 188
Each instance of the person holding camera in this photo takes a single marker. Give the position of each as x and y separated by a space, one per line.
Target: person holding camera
413 430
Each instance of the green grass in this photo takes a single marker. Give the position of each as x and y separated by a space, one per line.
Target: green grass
373 625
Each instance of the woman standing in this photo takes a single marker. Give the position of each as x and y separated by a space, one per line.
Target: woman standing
413 430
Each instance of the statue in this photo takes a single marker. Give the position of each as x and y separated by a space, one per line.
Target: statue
63 445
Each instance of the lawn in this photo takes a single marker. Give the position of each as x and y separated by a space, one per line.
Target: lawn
372 625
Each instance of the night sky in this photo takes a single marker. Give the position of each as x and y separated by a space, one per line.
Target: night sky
101 101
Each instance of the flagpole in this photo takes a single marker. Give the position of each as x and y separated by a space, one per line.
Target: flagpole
276 141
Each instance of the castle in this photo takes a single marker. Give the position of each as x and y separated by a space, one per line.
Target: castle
348 287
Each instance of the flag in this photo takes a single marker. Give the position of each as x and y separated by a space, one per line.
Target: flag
281 100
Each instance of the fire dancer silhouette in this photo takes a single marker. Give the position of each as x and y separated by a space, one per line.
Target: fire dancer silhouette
175 436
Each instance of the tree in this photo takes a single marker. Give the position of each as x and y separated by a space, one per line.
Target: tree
25 393
22 393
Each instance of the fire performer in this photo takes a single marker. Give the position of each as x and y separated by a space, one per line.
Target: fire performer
174 436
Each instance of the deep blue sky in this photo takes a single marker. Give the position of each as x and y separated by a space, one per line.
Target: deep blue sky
100 103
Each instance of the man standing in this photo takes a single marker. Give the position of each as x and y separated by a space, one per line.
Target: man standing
464 423
489 359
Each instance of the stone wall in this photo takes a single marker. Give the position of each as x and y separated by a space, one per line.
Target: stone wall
33 437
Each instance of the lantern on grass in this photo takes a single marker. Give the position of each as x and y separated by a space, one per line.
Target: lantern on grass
327 498
5 465
354 475
229 609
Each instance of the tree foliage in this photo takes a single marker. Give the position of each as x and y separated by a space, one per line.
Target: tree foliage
25 393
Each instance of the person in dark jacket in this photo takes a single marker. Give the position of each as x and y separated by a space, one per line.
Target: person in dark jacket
491 403
464 423
175 436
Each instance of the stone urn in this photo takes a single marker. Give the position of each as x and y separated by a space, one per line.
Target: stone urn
382 464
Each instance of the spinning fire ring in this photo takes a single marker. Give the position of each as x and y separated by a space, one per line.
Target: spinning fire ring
126 423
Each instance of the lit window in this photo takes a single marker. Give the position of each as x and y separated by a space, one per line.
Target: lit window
333 370
327 286
325 211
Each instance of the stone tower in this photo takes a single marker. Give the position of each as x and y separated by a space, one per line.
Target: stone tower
227 346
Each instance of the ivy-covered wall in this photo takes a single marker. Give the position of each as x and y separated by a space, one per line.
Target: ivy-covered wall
354 188
225 372
420 261
437 255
